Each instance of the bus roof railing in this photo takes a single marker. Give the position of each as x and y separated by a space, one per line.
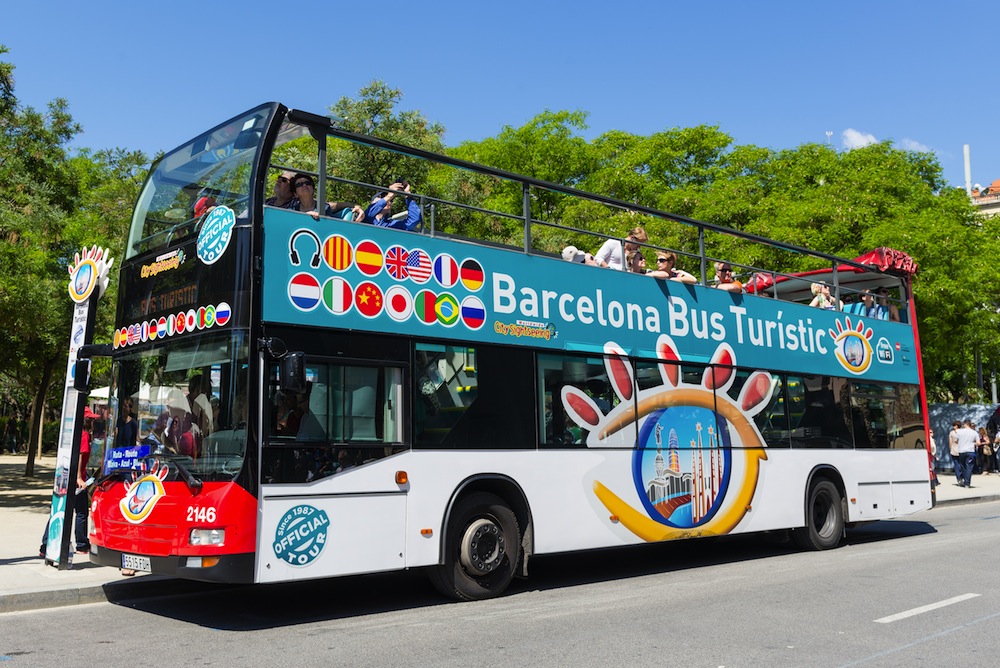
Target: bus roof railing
327 126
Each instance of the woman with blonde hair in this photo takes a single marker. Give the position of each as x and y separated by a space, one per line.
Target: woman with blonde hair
823 299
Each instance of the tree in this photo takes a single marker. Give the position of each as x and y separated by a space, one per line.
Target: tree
51 204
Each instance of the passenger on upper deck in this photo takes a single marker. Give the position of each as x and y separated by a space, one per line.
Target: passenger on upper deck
573 254
823 299
379 212
611 254
665 261
724 278
283 197
635 262
305 200
883 301
867 307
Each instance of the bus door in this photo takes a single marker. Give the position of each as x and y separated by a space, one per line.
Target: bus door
330 503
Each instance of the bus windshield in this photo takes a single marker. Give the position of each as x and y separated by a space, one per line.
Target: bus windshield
185 401
214 169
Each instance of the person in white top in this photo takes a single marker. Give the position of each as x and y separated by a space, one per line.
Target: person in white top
967 439
613 255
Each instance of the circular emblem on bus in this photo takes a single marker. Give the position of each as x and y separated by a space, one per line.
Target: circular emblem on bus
83 280
215 235
301 535
853 348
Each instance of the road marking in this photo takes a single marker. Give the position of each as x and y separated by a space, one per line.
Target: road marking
925 608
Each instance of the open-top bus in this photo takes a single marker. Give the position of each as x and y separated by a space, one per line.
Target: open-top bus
320 397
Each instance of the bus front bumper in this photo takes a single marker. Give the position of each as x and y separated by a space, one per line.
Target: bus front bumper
229 568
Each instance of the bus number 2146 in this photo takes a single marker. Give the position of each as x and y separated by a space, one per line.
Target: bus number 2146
200 514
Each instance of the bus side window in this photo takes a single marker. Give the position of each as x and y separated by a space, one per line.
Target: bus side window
819 411
772 421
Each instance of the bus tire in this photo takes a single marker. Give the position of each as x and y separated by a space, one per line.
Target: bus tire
824 518
482 549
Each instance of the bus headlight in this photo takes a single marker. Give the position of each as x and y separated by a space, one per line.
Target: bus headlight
207 537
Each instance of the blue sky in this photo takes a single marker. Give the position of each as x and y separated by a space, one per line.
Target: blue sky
150 76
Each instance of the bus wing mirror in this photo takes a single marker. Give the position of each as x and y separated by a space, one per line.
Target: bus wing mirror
81 375
292 374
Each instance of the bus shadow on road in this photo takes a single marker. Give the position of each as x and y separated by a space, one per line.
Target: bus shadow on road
258 607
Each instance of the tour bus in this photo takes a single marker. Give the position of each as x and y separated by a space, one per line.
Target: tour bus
316 396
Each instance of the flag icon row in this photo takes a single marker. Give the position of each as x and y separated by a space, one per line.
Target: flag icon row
203 317
414 264
338 297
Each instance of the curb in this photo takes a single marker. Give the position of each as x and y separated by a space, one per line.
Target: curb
149 586
971 499
51 598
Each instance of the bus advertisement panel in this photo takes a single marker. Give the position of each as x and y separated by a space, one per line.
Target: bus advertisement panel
360 277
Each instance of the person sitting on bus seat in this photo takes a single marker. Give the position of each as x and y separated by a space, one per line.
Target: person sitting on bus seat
574 254
883 300
203 205
635 262
868 308
724 278
379 212
284 197
612 254
305 200
822 297
665 261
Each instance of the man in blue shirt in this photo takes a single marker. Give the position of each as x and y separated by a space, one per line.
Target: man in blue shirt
379 212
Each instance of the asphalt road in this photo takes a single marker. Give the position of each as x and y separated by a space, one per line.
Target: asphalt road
898 593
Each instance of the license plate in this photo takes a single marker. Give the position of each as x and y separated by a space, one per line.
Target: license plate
135 563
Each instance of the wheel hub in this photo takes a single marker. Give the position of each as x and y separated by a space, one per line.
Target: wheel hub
483 547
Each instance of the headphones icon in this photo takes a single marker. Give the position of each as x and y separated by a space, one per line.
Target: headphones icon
293 255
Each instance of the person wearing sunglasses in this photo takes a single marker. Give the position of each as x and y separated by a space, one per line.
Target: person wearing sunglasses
305 200
283 197
614 254
725 279
379 212
665 270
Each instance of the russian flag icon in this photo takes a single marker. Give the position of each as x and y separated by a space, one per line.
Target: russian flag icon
473 312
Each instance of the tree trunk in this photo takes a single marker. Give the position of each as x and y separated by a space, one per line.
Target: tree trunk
37 415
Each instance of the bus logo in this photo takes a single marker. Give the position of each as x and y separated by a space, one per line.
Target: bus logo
215 235
301 535
852 346
696 468
142 493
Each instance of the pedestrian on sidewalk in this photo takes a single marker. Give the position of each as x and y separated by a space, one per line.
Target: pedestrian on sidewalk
968 439
984 452
953 449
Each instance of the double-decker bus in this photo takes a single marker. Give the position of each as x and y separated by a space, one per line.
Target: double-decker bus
318 397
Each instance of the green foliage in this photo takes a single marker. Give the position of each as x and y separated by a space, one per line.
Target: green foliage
52 204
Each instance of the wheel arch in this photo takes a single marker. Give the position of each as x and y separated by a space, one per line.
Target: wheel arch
818 473
507 489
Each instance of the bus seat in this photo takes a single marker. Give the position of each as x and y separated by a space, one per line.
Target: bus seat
363 413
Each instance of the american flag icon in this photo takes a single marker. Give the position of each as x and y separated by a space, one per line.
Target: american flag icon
420 266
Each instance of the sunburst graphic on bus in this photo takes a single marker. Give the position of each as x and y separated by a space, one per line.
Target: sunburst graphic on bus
853 347
699 457
142 493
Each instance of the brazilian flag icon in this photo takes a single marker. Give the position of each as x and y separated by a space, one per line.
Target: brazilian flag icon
447 309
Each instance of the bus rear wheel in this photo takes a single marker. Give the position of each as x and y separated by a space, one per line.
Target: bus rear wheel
482 549
824 518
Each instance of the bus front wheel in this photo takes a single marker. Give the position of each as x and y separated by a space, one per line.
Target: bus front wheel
482 549
824 518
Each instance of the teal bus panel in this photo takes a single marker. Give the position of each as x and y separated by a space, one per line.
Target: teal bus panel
332 273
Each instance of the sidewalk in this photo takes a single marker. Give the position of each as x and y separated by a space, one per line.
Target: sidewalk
26 583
